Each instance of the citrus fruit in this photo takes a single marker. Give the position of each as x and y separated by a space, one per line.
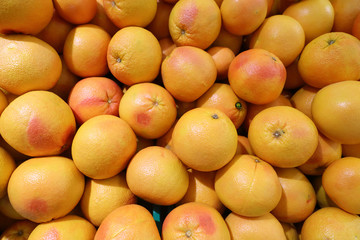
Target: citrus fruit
78 50
156 175
70 226
229 40
76 12
102 20
345 13
329 58
341 102
281 35
257 76
293 78
222 97
316 17
204 139
130 13
195 23
326 152
302 99
331 223
16 16
55 32
339 181
243 17
94 96
38 123
262 227
95 205
36 184
27 63
253 109
243 186
134 221
188 72
18 230
283 136
298 197
222 57
195 220
201 189
134 55
8 210
149 109
159 26
103 146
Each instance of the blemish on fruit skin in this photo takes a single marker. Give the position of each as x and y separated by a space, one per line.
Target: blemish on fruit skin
143 118
38 135
262 71
215 116
37 206
206 223
268 72
188 16
309 199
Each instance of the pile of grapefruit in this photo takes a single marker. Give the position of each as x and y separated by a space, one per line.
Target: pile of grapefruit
180 119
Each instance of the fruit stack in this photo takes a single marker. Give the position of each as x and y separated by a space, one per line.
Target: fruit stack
180 119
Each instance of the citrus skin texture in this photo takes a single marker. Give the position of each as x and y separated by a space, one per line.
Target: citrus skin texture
102 146
38 123
195 221
68 227
331 57
340 180
194 23
27 63
242 186
134 221
134 55
283 136
341 101
331 222
204 139
16 15
35 186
